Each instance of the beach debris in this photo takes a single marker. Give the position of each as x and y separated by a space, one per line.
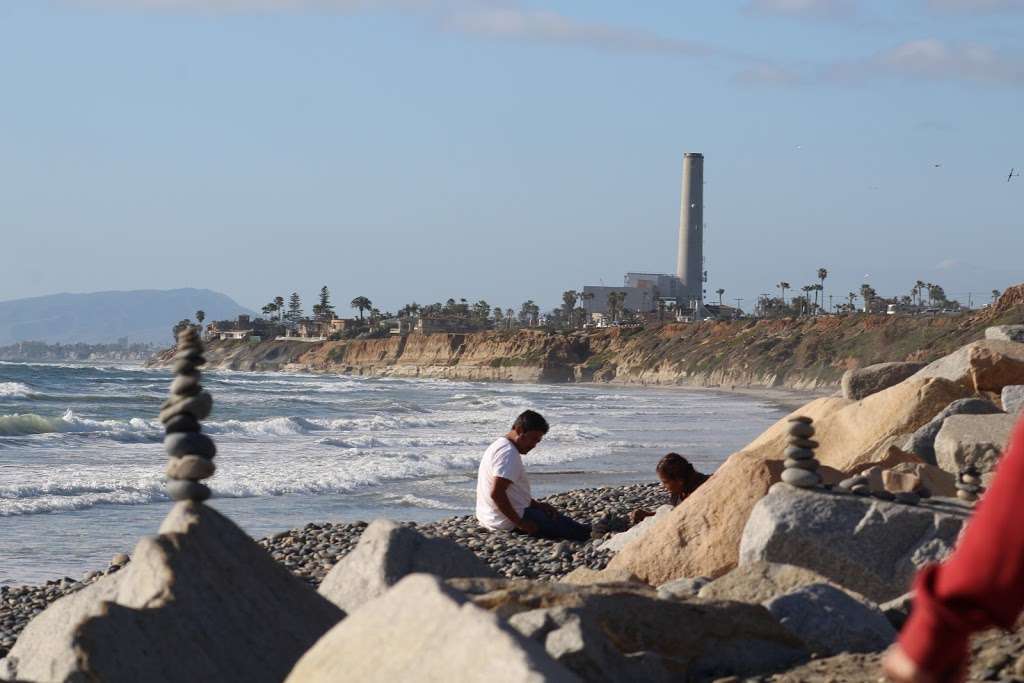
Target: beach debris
968 484
801 467
190 452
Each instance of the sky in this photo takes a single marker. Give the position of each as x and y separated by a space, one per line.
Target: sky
416 150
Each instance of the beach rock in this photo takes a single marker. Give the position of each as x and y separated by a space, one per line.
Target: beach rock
701 536
189 443
870 546
423 630
916 477
682 588
190 467
987 365
862 382
922 442
1012 333
897 610
831 621
1013 399
181 490
612 633
584 576
200 601
186 385
386 553
973 440
619 541
182 423
759 582
198 406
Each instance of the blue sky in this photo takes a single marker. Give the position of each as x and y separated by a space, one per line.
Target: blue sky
506 150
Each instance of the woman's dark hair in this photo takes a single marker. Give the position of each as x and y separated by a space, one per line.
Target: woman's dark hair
530 421
675 466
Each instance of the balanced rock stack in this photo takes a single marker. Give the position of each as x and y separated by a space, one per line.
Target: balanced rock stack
191 453
968 484
801 465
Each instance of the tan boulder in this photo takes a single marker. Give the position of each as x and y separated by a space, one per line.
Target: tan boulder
701 536
585 576
911 476
760 581
987 365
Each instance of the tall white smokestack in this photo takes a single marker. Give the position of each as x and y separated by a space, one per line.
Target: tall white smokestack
690 262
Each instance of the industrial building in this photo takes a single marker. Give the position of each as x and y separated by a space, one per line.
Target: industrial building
683 291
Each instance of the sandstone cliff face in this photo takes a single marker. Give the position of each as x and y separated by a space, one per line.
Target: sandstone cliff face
798 354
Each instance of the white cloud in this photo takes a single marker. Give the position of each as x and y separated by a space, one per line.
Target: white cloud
976 6
551 27
935 60
818 9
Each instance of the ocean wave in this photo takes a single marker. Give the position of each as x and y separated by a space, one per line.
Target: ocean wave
24 424
16 390
412 501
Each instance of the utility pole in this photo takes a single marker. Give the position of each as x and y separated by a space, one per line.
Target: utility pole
738 311
829 303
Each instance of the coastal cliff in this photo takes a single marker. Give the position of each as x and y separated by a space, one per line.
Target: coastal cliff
807 353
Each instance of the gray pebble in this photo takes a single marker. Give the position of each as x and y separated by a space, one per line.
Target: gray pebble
803 443
182 423
801 430
800 478
186 385
189 443
198 406
809 465
182 489
799 453
190 467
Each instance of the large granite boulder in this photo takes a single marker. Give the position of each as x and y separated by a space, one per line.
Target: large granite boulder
201 601
758 582
922 443
831 621
388 552
973 440
1013 399
623 632
701 536
1013 333
862 382
870 546
987 365
424 630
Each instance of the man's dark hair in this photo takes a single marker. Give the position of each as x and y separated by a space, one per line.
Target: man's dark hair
676 467
530 421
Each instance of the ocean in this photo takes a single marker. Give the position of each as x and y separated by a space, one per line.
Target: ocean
81 463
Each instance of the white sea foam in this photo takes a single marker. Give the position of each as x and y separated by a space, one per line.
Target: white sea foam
15 390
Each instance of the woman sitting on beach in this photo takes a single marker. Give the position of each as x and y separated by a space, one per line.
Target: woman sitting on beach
678 477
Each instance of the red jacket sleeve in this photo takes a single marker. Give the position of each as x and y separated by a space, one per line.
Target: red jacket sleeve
982 583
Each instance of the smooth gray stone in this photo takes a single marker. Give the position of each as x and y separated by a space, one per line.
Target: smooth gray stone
182 423
809 465
186 385
967 496
832 621
970 488
198 406
907 498
189 443
1013 399
861 489
803 443
799 453
184 367
802 419
1014 333
190 467
801 430
800 477
183 489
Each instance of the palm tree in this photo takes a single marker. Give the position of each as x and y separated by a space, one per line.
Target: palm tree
569 298
719 292
783 286
920 287
510 317
822 274
269 308
362 303
279 306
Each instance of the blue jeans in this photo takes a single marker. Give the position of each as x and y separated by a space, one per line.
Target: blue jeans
557 528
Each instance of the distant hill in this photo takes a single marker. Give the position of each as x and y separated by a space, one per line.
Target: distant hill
144 315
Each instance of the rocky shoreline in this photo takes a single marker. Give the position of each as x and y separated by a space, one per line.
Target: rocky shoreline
309 552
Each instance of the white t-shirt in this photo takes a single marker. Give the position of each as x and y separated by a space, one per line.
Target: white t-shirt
501 459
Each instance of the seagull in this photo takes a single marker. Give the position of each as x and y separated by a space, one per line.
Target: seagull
1012 175
937 165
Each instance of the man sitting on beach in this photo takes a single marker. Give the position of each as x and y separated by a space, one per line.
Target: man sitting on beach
503 498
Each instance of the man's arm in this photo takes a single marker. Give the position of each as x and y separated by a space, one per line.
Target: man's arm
499 494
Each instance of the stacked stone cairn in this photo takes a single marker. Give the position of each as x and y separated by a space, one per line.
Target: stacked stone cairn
190 452
968 484
801 467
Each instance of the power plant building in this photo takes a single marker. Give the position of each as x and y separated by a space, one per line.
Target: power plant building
684 290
